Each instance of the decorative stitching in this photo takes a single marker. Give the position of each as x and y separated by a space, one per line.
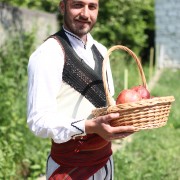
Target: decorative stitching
59 42
106 170
81 131
111 168
47 163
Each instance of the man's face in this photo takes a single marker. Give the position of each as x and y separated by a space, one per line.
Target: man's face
79 15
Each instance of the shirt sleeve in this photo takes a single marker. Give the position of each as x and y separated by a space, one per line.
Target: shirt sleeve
44 81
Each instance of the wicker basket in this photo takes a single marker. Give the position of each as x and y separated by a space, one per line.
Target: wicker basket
144 114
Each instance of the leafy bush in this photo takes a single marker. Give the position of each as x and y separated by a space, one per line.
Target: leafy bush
18 153
126 22
45 5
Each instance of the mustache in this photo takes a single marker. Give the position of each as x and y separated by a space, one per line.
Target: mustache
83 19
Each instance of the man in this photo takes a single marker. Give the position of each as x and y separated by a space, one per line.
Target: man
64 86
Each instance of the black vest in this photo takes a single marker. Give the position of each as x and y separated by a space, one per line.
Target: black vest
81 76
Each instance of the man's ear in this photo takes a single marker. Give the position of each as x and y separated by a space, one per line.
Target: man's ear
62 7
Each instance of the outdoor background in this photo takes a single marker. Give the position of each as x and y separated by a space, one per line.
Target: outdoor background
24 25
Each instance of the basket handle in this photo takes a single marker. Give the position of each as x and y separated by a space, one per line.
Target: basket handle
109 99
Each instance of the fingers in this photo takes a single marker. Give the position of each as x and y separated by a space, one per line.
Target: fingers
120 136
120 132
109 117
122 129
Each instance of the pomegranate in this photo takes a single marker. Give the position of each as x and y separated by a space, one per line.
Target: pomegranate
128 95
144 93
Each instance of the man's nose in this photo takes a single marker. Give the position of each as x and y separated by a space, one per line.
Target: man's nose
85 12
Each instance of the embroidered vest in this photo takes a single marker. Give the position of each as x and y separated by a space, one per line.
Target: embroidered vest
80 76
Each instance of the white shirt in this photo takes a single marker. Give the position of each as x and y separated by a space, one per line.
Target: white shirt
44 81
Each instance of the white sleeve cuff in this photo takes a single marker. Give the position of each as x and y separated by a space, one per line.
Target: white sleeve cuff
78 127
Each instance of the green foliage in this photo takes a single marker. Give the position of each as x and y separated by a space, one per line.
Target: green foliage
125 22
12 90
45 5
154 154
18 153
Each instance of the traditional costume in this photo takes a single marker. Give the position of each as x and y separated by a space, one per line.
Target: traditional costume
74 155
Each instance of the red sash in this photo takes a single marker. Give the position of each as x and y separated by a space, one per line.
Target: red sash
79 159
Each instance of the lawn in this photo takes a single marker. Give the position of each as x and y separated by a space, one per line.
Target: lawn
154 154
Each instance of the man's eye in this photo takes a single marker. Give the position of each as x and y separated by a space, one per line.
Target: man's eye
92 7
77 5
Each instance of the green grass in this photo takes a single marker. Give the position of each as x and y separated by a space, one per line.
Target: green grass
154 154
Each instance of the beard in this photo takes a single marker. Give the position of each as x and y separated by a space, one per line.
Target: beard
77 28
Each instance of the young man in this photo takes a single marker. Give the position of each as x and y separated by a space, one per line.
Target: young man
64 86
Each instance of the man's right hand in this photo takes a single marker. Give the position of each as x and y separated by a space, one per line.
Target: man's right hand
101 126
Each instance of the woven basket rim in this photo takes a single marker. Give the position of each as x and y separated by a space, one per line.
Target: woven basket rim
138 104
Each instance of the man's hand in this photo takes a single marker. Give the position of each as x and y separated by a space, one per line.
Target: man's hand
101 126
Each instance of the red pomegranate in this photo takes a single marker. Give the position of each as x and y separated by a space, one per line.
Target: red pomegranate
128 95
144 93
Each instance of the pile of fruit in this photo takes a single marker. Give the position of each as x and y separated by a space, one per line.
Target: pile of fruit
136 93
